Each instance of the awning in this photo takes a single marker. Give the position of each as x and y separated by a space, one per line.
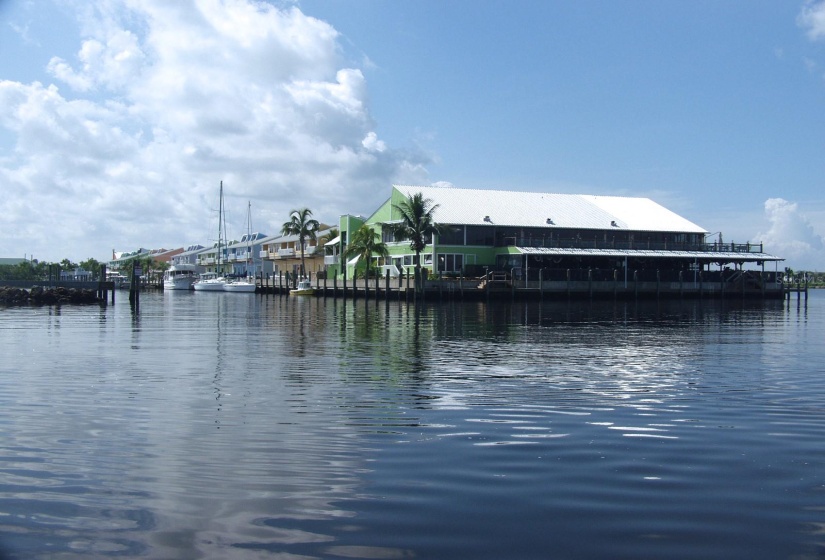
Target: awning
354 261
333 241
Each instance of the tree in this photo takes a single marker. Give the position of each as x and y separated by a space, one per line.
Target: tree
417 225
91 265
331 234
304 226
365 244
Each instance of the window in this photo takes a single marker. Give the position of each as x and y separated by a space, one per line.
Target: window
451 235
480 235
388 235
450 262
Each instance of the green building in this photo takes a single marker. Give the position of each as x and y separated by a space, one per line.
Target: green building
543 236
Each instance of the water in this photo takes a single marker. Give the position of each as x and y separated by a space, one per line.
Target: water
219 425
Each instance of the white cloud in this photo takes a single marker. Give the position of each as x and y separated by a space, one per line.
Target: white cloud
792 236
812 19
166 99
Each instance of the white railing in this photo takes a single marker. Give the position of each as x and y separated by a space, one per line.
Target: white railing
286 252
330 259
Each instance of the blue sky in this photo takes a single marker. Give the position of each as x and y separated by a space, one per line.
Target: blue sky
119 118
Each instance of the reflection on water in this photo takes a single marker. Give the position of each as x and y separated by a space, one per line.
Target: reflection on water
242 426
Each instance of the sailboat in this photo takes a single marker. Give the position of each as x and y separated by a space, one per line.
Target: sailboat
213 281
245 285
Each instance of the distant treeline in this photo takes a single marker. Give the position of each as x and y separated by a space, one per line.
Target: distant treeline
36 270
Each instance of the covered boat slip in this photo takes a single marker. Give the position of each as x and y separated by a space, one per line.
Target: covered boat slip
708 269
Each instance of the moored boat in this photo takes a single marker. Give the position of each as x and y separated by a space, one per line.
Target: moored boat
209 282
180 277
244 285
304 288
120 281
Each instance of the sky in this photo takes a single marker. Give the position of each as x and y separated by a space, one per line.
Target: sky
119 119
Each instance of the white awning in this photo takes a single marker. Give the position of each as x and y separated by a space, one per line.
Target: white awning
354 261
333 241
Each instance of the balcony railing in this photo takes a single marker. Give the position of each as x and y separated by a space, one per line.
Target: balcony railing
286 252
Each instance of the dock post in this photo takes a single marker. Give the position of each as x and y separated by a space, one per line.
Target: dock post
636 283
134 286
722 283
541 284
568 283
512 284
681 286
590 282
658 283
615 283
387 287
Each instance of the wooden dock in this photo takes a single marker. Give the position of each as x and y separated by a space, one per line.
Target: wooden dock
500 285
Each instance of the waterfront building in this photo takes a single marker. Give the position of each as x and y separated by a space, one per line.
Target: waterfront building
540 237
244 255
211 262
188 256
122 260
283 252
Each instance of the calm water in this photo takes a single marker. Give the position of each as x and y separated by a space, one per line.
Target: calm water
240 426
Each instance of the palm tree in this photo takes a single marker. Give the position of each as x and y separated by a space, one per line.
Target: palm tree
331 234
364 244
302 225
416 225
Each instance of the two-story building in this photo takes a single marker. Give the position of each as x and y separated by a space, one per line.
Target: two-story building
244 258
284 252
551 236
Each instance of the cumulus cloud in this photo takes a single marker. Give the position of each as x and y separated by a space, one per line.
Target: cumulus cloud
792 236
161 101
812 19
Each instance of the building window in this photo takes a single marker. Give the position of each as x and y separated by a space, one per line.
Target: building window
480 235
451 235
450 262
387 234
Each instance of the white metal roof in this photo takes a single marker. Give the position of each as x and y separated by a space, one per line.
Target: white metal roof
726 256
528 209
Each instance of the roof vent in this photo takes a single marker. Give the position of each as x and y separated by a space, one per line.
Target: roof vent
613 223
487 219
550 221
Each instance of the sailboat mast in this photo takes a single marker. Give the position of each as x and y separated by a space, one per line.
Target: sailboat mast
249 256
220 223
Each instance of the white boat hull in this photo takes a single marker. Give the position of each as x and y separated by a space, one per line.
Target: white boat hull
178 284
240 287
209 285
180 277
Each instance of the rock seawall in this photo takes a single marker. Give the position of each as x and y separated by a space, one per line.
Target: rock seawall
47 296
